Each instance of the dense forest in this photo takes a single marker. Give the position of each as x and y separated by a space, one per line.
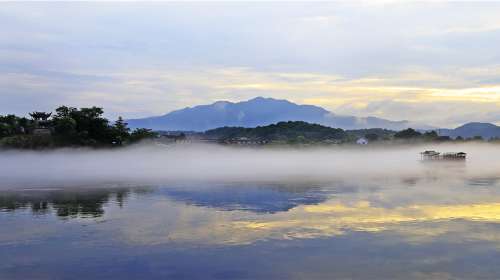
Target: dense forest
67 127
289 132
299 132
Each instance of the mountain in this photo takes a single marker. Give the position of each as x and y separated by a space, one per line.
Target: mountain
468 130
257 112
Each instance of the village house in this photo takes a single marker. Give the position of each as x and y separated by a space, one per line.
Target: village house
362 141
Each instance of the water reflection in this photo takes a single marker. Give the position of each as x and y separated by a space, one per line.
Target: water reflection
88 202
390 207
73 203
411 228
484 181
261 198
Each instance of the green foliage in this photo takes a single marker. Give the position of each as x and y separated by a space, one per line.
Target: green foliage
409 133
430 135
142 133
297 132
443 138
371 134
84 126
292 132
26 142
120 132
65 127
68 127
371 137
11 125
477 138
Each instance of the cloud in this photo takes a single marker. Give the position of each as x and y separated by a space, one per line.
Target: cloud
139 59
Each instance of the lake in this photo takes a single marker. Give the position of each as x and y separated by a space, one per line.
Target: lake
432 226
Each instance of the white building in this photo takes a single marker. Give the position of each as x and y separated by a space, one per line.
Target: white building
362 141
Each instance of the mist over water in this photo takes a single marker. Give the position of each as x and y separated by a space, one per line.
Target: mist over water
159 164
219 212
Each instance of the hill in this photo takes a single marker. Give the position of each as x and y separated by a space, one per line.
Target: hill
283 131
259 112
473 129
293 132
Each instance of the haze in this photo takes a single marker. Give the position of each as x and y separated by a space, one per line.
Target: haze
144 164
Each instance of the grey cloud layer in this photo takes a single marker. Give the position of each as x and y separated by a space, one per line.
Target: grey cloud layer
55 53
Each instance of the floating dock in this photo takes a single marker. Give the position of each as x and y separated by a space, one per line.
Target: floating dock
433 155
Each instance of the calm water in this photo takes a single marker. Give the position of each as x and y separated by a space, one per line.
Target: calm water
431 227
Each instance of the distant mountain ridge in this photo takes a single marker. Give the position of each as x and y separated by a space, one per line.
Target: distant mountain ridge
472 129
260 111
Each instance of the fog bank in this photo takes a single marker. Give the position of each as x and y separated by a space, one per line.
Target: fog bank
161 164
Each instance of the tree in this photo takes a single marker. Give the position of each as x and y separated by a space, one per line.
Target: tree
11 125
430 135
65 126
443 138
84 126
371 137
407 134
120 131
69 126
92 126
300 139
142 133
7 126
478 138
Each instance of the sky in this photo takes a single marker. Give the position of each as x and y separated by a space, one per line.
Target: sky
429 62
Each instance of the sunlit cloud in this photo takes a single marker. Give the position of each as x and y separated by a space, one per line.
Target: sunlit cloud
342 56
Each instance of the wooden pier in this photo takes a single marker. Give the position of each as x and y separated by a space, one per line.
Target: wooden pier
433 155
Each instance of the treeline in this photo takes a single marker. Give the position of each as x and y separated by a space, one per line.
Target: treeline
296 132
411 134
283 132
67 127
72 127
299 132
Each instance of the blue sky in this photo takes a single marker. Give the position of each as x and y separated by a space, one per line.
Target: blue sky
436 62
